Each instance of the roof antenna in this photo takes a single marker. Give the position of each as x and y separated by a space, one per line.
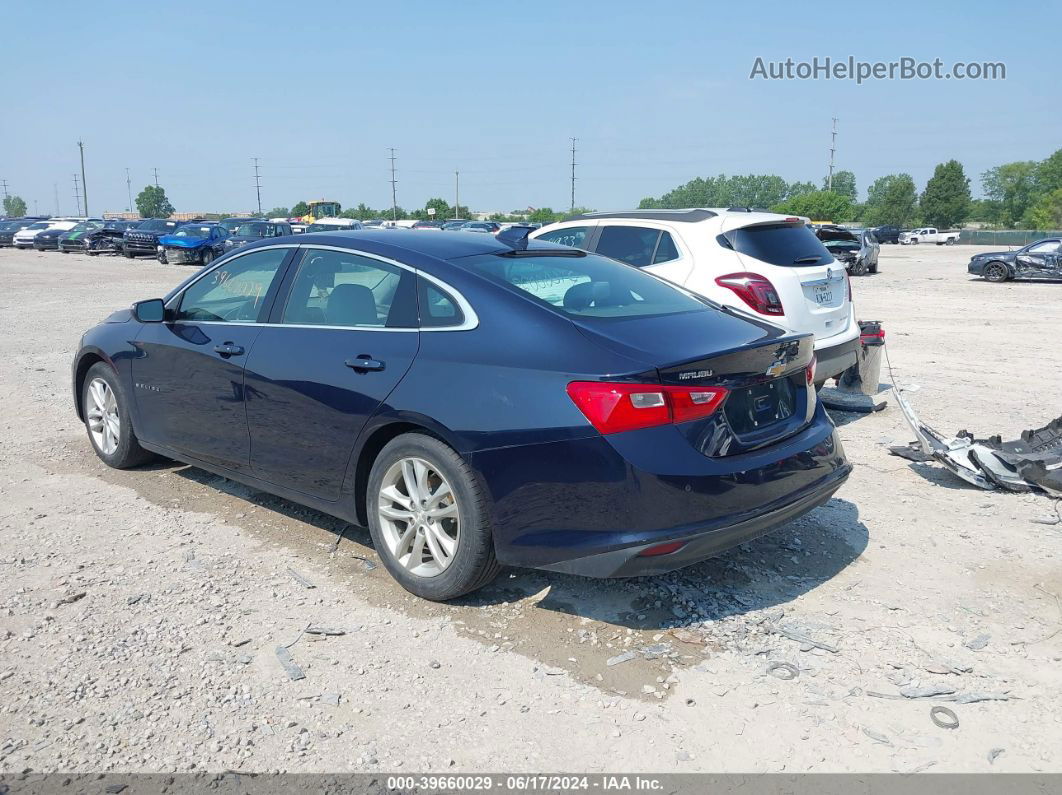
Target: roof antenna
515 236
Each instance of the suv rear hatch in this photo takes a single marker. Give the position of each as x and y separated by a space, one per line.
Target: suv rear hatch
812 286
763 369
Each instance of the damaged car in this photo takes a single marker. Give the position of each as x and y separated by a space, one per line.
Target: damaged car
1039 260
193 244
858 249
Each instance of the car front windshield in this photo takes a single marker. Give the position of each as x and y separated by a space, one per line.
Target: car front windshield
39 225
156 225
193 231
252 230
585 286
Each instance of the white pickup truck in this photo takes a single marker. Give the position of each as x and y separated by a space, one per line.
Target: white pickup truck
928 234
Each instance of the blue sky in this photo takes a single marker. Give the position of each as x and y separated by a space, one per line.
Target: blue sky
656 94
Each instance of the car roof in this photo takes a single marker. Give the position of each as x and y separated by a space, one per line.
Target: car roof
395 242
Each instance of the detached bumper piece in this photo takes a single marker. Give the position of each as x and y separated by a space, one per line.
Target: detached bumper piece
1032 462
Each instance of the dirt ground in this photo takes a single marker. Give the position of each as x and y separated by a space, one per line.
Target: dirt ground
140 611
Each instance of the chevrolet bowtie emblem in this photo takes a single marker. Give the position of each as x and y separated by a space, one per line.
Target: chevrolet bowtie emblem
776 369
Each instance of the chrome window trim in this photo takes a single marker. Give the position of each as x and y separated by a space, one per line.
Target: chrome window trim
471 319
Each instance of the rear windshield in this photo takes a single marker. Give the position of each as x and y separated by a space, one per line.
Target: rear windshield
585 286
156 225
777 244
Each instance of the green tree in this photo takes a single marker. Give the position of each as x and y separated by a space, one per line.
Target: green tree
822 205
1014 186
946 200
1046 213
14 205
844 184
891 199
151 202
544 215
279 212
799 188
1049 173
300 209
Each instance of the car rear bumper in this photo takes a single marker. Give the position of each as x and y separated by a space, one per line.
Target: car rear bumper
833 358
591 506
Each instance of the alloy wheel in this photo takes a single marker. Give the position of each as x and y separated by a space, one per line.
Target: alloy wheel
419 517
103 421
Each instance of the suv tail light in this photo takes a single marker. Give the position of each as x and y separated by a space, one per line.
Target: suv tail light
755 290
810 372
614 407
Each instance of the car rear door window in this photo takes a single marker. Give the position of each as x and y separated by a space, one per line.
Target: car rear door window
665 249
634 245
233 292
341 288
574 236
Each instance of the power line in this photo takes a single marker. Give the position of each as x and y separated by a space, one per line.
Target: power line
394 188
257 184
84 184
833 148
573 174
77 194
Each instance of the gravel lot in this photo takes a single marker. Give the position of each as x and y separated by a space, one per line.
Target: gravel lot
140 611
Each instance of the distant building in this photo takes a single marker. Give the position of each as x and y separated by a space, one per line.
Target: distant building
121 216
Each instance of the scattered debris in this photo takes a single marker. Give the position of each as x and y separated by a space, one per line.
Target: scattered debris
332 699
944 718
627 656
978 696
1030 463
301 580
69 599
687 636
294 672
324 631
994 754
783 670
237 643
799 638
929 691
339 538
978 643
877 736
140 597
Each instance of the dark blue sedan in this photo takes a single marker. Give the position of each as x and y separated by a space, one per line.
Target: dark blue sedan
477 402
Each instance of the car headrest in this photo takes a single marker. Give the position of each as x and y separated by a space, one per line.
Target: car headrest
352 305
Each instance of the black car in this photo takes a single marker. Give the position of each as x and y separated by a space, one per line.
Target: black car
106 238
48 239
144 237
12 225
887 233
235 222
1039 260
253 231
857 249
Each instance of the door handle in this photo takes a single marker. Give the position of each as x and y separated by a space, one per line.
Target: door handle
229 349
364 364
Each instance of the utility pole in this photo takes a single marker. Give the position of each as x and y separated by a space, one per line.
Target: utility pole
394 189
77 194
84 185
129 191
257 184
457 195
156 177
4 182
574 174
833 148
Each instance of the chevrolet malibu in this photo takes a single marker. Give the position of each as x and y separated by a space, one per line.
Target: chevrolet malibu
475 401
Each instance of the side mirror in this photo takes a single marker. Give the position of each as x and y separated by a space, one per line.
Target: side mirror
150 311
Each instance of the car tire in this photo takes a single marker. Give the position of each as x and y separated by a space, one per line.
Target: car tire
995 272
161 257
459 547
107 420
858 268
949 242
128 254
208 257
873 268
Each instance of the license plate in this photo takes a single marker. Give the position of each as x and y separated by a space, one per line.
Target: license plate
823 294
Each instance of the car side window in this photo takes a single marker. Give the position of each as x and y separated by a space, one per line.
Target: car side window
665 249
631 244
1047 247
437 308
574 236
233 292
342 288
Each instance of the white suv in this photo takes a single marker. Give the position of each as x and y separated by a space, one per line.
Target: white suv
756 262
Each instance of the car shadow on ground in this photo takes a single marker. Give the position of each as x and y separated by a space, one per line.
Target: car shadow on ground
766 572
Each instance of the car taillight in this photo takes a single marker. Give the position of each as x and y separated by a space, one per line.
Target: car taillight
755 290
614 407
810 372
